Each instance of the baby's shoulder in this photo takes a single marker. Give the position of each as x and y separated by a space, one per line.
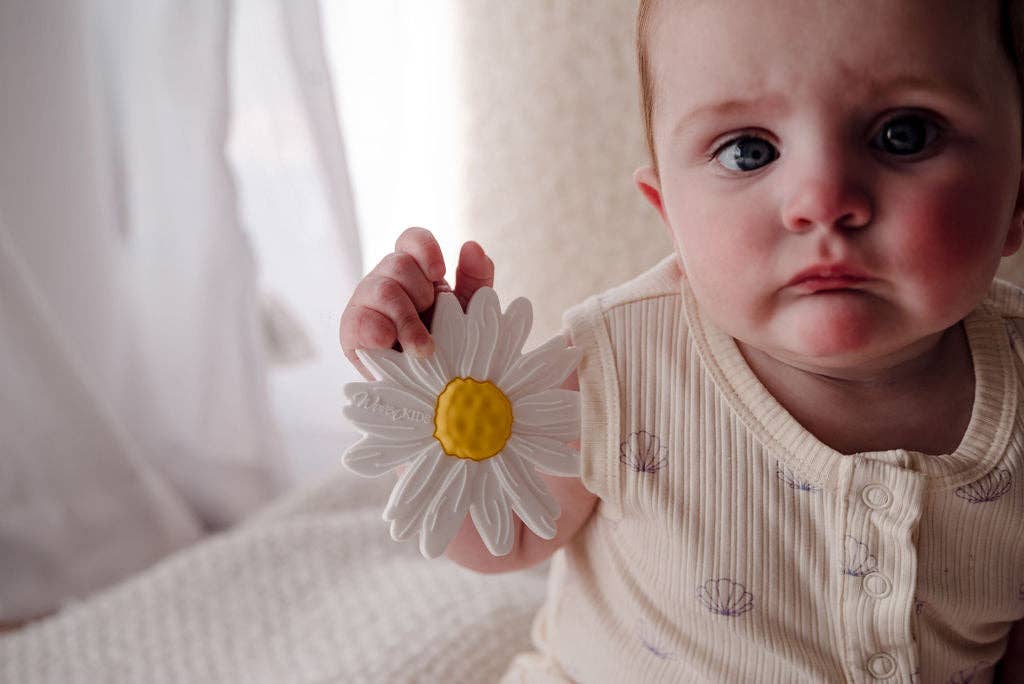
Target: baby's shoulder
660 281
1006 299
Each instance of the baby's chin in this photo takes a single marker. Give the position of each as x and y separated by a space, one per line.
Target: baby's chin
834 339
833 332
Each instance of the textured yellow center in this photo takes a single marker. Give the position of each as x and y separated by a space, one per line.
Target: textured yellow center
472 419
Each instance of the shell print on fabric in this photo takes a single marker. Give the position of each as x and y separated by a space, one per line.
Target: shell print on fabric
643 452
470 424
988 488
859 561
789 477
646 634
723 596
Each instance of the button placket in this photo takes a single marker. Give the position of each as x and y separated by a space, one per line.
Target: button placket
876 496
880 563
877 585
881 666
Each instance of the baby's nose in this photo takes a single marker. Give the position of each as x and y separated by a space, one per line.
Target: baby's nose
831 199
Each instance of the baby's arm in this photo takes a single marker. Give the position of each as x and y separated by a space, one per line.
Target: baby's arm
576 502
393 303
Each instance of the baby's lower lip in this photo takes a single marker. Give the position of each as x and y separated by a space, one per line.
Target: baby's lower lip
823 284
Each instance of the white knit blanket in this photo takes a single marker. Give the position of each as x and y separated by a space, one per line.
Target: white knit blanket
311 590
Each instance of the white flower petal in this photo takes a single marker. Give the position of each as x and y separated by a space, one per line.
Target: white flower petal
429 372
433 496
549 455
514 329
395 423
492 513
546 366
553 413
416 487
387 364
483 304
530 498
372 456
448 509
471 341
523 472
386 393
448 328
485 311
403 529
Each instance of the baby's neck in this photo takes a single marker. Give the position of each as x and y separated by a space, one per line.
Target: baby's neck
922 403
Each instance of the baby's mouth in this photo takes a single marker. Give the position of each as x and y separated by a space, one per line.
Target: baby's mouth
828 278
813 285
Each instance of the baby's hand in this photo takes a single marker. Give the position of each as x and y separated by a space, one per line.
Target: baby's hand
393 304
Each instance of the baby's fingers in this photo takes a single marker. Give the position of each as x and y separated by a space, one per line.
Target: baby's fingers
390 298
475 270
421 245
405 270
365 328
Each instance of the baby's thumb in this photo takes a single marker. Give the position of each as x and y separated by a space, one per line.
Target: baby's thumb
475 270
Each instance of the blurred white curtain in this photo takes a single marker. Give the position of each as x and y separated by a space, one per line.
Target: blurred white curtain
296 204
399 67
134 404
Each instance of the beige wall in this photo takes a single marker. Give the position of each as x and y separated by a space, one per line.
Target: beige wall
552 136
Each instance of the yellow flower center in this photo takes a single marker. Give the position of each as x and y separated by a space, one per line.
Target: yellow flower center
472 419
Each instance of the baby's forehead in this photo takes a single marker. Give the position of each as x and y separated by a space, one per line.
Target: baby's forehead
800 11
741 43
661 19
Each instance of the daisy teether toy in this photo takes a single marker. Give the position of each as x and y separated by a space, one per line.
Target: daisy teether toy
471 423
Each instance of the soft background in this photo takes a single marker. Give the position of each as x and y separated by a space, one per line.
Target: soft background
188 192
552 136
515 124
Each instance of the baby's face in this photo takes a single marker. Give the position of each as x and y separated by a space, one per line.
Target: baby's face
879 140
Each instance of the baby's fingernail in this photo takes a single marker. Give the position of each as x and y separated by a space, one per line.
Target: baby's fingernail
425 348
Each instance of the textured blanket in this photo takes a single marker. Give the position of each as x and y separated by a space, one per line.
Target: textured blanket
310 590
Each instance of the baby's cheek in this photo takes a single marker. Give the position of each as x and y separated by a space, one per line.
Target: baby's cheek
935 244
947 245
722 269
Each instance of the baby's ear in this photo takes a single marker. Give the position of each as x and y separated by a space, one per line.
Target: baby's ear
647 181
1016 233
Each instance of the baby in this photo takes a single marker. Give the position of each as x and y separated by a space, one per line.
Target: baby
802 432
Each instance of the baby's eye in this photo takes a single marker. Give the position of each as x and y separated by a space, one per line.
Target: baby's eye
906 135
747 153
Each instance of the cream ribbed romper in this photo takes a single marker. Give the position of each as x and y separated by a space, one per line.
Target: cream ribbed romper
731 545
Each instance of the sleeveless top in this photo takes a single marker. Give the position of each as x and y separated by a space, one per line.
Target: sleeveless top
730 544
